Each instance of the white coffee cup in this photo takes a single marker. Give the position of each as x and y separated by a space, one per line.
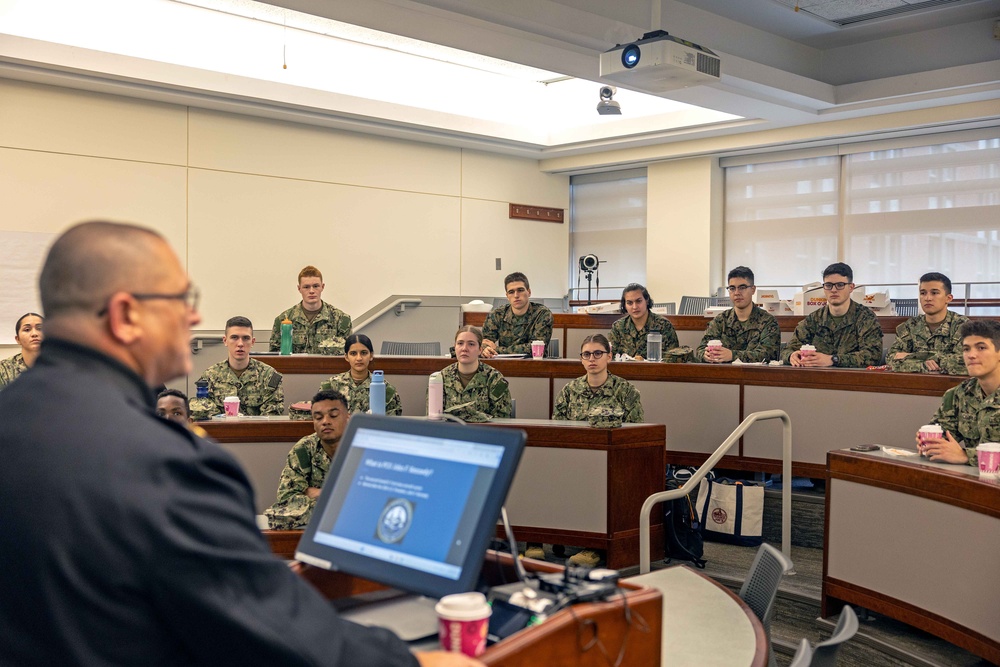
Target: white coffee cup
232 405
988 454
463 620
807 350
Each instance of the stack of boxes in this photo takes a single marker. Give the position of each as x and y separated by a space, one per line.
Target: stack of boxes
811 298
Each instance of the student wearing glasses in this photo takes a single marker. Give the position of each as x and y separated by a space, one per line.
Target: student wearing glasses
511 328
846 334
748 333
598 392
628 335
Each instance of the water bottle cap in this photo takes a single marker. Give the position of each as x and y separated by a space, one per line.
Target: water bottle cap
377 375
286 321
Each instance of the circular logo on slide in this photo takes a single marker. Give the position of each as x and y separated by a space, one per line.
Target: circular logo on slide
719 515
395 520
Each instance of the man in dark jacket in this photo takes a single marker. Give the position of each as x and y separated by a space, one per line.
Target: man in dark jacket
128 540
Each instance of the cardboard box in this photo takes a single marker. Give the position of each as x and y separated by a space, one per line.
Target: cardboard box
778 307
767 296
810 299
871 299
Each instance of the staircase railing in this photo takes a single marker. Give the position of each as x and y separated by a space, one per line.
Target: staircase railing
692 484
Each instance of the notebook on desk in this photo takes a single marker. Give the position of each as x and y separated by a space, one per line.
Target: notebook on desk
412 504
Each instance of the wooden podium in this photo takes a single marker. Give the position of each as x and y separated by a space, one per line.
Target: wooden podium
591 634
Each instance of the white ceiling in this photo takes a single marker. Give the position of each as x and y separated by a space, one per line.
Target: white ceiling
779 67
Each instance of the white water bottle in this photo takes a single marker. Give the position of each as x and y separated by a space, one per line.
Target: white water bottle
435 396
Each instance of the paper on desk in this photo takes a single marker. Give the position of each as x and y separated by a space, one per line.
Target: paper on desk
896 451
737 362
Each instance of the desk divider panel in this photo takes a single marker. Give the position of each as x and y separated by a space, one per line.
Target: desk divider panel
563 487
698 416
824 419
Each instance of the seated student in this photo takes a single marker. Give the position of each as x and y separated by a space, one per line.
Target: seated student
27 334
845 334
317 327
355 383
257 385
930 343
511 328
474 391
970 413
172 405
598 396
748 333
308 463
628 335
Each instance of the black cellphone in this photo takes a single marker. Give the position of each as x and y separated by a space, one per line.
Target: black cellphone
865 448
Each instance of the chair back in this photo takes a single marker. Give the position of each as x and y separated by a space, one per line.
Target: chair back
906 307
412 349
760 589
803 656
553 351
825 653
694 305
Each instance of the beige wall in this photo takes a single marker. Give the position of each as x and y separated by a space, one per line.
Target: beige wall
247 202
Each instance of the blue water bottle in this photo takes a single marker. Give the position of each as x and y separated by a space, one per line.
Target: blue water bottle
376 394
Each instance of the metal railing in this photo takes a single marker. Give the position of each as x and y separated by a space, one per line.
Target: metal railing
692 484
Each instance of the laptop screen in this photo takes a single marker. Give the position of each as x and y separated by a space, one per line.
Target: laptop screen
412 504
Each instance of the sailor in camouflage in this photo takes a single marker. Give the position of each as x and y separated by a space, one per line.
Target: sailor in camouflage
28 334
970 413
474 391
748 333
257 385
510 329
628 335
598 397
317 327
309 463
356 383
930 343
846 334
11 368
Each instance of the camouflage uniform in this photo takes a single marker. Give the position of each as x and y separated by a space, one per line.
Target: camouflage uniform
11 368
487 395
358 394
943 345
512 333
324 335
577 401
625 339
259 389
757 339
857 339
970 416
307 466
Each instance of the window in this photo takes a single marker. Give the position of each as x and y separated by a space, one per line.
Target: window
608 219
893 212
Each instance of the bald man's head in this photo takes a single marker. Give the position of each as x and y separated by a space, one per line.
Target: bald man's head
92 261
121 290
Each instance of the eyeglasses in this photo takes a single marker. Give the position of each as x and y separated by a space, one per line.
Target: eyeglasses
595 355
831 286
191 296
738 288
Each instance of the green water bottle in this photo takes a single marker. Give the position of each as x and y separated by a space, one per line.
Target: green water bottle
286 336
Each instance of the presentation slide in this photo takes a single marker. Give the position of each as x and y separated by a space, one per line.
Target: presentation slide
410 501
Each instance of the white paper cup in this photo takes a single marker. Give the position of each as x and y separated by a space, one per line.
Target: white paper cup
232 406
988 454
537 349
807 350
463 620
929 432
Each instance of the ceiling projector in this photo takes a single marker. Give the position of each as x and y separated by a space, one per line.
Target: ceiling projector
658 63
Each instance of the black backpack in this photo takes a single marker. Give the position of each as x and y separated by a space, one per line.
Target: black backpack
681 529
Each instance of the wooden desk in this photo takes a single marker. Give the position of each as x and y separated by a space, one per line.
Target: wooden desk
700 404
576 485
916 541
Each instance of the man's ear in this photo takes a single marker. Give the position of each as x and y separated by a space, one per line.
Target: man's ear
124 320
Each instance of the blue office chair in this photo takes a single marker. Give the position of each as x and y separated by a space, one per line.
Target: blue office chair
760 589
